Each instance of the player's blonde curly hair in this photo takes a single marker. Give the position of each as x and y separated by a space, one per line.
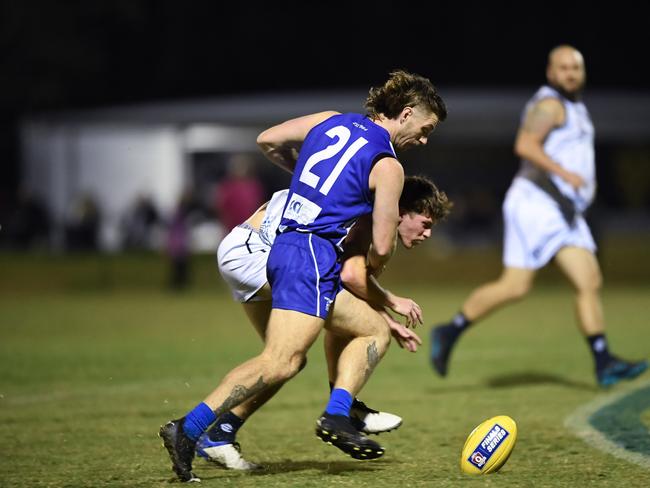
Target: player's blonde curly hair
404 89
420 195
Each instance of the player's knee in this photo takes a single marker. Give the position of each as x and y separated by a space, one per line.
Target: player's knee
291 366
296 364
519 290
382 340
303 363
592 284
597 282
278 369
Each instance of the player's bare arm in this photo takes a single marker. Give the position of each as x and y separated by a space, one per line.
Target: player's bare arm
359 280
541 119
281 143
387 181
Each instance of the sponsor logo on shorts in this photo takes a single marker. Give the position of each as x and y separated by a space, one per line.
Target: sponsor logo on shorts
490 443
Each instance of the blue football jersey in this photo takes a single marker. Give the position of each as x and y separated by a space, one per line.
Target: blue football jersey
329 188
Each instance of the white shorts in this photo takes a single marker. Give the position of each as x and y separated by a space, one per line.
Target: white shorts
534 228
242 257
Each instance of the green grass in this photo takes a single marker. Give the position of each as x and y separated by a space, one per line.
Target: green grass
86 378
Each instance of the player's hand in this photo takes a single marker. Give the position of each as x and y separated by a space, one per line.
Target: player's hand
405 338
573 179
406 308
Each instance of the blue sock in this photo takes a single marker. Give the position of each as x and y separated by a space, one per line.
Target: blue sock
226 427
198 421
340 402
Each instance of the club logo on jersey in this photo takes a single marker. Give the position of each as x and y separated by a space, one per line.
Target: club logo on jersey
301 210
488 446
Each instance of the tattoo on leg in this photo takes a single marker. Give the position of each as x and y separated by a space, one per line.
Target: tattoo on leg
238 394
373 358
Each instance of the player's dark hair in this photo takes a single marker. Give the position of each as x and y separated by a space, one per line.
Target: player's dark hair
420 195
402 90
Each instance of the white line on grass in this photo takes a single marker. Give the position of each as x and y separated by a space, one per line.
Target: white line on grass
578 422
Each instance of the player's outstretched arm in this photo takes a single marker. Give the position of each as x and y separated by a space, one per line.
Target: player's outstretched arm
357 279
387 181
281 143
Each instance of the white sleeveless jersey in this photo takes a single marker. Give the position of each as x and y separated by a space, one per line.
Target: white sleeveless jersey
273 216
571 146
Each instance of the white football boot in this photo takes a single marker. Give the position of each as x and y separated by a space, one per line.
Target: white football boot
371 421
225 455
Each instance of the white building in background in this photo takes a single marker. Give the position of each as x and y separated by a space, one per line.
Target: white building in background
117 154
117 162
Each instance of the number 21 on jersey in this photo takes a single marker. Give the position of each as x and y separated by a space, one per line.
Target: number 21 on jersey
343 134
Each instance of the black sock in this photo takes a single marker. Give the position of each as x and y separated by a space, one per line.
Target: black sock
226 427
599 349
459 323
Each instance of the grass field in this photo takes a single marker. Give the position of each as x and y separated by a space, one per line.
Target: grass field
87 377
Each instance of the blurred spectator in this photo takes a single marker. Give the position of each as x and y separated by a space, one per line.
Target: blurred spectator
28 225
82 226
140 223
239 194
178 243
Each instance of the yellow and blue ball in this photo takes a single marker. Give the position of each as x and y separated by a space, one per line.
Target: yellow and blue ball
489 445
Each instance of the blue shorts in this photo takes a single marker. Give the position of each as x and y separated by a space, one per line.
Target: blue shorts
304 273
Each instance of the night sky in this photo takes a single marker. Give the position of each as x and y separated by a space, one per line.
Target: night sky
75 54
